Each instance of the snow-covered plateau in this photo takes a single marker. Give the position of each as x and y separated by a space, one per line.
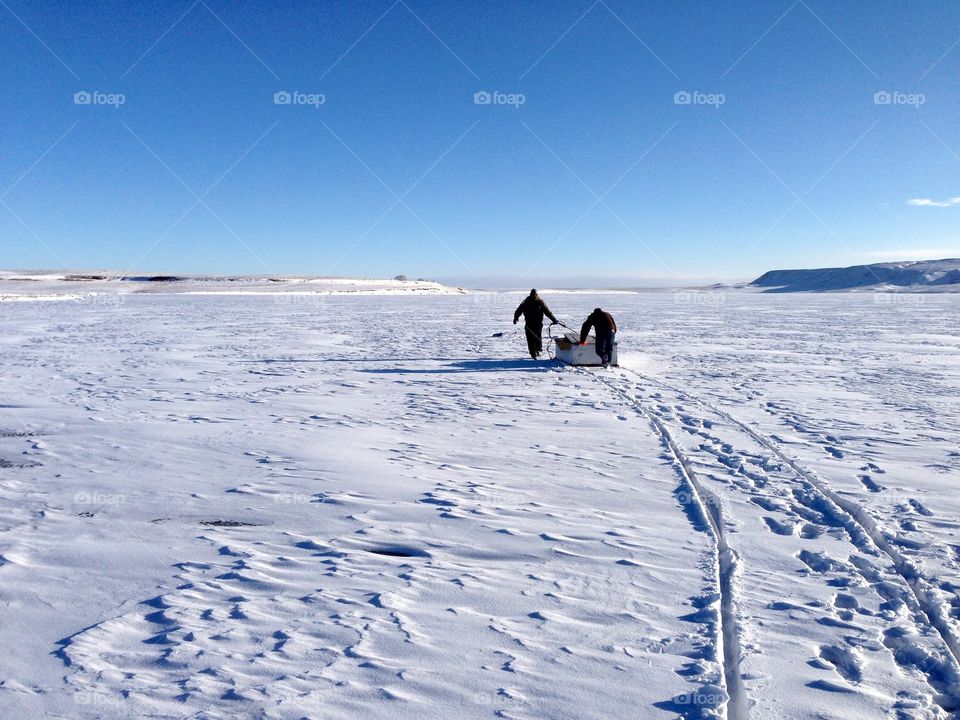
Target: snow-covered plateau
926 276
367 506
24 286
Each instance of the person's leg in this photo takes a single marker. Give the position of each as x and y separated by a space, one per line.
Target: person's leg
604 346
533 340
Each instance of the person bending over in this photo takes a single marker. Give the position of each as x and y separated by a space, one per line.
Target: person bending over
605 328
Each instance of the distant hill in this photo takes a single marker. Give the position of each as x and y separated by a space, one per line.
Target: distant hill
25 285
908 276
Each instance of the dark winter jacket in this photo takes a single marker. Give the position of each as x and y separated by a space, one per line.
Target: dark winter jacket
533 308
601 321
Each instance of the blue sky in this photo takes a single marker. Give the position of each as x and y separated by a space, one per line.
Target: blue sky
586 167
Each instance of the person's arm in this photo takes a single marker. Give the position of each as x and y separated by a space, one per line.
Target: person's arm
613 323
516 315
546 311
585 330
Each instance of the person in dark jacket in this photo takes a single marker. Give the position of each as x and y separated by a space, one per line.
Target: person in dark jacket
606 328
533 308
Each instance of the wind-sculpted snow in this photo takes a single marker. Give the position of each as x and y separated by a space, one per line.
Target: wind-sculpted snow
370 507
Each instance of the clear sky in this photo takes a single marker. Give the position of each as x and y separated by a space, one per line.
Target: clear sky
149 136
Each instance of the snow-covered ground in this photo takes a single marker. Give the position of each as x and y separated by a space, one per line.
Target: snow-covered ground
350 507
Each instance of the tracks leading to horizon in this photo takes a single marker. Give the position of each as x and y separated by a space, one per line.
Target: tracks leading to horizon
859 518
740 456
726 561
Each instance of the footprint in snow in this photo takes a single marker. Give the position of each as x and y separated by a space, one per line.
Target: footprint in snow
769 504
846 602
779 528
828 686
920 508
844 660
819 562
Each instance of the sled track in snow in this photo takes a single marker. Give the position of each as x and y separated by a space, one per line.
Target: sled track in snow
709 506
857 518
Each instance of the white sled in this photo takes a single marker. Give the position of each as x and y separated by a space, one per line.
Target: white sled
570 351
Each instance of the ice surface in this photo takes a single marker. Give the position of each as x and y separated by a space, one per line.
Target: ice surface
365 506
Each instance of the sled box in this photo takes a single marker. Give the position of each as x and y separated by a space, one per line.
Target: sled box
570 351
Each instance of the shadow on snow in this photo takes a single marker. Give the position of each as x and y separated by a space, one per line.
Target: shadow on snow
469 366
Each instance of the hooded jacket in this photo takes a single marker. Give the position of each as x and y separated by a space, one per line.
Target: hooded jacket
533 308
601 321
